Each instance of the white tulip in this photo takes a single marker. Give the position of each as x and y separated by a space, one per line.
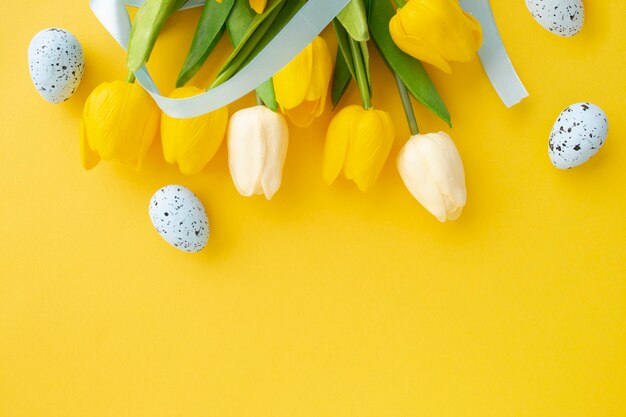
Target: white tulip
257 147
432 170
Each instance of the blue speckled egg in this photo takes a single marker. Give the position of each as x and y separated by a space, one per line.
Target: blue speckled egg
561 17
180 218
56 63
577 135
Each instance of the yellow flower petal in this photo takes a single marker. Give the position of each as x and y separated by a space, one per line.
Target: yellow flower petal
372 135
474 25
417 48
292 82
337 142
302 86
193 142
436 32
304 114
322 71
101 120
144 123
258 5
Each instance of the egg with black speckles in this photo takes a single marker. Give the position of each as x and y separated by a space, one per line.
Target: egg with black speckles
56 63
577 135
561 17
179 217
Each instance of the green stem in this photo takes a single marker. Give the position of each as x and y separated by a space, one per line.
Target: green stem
130 78
408 108
361 75
400 3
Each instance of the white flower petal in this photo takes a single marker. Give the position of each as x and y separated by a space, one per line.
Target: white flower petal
246 150
276 136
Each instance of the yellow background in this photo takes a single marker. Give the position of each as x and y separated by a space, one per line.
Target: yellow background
323 301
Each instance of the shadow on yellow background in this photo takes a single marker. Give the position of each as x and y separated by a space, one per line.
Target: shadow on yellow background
323 301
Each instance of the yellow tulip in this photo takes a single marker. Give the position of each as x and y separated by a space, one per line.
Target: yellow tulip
302 86
358 141
120 121
436 31
192 142
257 5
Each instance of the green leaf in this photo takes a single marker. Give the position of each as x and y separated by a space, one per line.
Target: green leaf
354 19
245 29
287 11
341 78
254 33
268 95
361 73
239 21
410 70
148 23
354 54
208 33
343 40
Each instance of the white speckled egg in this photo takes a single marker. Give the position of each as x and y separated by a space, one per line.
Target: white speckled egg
179 217
561 17
56 63
577 135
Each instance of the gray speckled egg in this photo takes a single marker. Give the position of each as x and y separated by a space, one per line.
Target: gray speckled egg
561 17
56 63
179 217
577 135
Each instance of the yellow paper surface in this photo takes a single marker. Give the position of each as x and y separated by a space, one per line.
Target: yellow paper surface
324 301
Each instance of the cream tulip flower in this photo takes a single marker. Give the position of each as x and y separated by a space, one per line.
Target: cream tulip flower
257 147
432 170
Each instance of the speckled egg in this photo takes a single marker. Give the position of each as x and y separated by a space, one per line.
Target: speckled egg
56 63
180 218
561 17
577 135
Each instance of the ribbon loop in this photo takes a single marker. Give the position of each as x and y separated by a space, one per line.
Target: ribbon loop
309 22
493 56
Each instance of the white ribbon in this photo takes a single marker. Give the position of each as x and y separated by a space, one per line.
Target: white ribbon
493 56
310 20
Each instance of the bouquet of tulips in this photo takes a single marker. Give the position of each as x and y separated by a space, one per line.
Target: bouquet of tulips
120 119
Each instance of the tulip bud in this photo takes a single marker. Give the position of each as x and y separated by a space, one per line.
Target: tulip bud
192 142
358 142
120 121
432 170
302 85
436 31
257 147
